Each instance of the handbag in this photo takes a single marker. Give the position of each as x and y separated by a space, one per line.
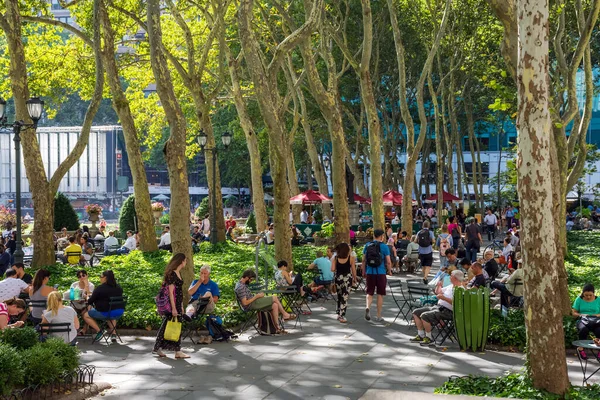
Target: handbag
173 330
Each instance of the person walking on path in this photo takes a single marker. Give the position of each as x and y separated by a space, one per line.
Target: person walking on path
444 243
173 281
344 267
424 239
491 222
376 263
473 239
455 231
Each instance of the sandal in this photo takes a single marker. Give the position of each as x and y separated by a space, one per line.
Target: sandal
180 355
291 316
281 332
159 353
306 312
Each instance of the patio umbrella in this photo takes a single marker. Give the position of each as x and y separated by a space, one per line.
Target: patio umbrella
392 198
446 198
361 200
268 197
310 197
160 197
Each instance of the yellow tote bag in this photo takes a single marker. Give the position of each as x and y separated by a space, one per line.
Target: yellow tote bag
173 330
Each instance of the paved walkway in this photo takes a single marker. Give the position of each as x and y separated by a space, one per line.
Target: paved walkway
324 360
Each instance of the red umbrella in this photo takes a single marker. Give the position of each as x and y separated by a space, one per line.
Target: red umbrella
310 197
361 200
446 198
392 198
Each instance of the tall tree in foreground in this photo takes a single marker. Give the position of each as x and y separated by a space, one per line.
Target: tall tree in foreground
535 167
43 189
175 147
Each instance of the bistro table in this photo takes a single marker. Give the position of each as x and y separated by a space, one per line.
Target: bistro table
595 350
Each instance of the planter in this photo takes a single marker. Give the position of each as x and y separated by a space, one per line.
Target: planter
157 215
94 216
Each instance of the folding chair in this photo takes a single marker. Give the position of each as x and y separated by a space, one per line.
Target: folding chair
290 297
416 291
191 327
58 327
400 299
445 330
72 254
114 304
252 317
39 304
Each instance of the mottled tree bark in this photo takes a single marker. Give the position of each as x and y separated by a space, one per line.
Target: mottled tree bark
175 146
541 254
42 189
134 155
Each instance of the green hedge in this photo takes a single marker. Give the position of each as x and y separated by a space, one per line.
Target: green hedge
127 216
64 214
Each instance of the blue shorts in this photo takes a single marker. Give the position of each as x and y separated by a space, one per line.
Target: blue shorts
104 315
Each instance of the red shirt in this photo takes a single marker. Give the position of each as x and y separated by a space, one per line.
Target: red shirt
230 224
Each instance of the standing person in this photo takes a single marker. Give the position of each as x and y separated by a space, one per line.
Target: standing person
174 282
375 264
510 214
206 225
491 222
343 265
57 313
304 216
444 243
455 231
473 239
424 239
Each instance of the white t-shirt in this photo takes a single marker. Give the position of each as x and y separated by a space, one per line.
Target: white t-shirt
110 242
507 250
89 290
206 226
165 239
490 219
303 217
64 315
11 287
448 292
130 243
270 237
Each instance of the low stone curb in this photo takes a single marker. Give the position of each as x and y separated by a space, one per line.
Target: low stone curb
374 394
87 392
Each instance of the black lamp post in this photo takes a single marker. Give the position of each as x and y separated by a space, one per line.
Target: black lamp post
35 108
202 138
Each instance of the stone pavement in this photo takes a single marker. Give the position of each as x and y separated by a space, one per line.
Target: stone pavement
324 360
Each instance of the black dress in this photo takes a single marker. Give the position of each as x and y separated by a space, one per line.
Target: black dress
161 343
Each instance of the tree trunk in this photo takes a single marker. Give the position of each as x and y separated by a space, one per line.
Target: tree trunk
42 190
471 130
544 320
174 147
368 98
258 193
439 183
120 103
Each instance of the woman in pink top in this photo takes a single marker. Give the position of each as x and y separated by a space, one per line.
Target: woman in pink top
455 231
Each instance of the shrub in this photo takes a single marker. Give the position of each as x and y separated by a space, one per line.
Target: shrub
41 365
20 339
64 214
203 208
67 354
11 367
128 216
251 222
164 219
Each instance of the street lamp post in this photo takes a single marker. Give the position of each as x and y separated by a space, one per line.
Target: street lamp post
202 138
35 108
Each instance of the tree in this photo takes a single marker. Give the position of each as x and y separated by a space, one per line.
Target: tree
64 214
43 189
128 217
535 168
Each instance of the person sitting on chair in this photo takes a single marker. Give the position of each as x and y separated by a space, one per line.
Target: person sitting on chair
425 317
10 308
73 248
86 248
491 265
412 254
259 301
479 276
57 313
111 244
586 309
201 288
284 278
323 264
165 240
100 300
509 286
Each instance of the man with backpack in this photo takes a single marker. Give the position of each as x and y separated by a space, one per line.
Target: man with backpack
376 264
425 238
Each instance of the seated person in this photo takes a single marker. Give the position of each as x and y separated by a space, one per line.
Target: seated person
4 260
111 244
586 309
508 248
412 254
57 313
200 288
99 307
197 235
323 264
509 286
10 308
11 286
76 251
284 278
425 317
402 244
19 268
129 245
478 278
259 301
165 240
490 266
86 248
270 235
39 291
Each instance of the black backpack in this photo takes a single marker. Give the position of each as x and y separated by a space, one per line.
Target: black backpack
373 254
455 232
424 239
266 325
215 328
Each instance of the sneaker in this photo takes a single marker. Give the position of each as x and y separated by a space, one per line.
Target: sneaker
379 319
426 341
425 281
99 335
342 319
582 353
416 339
367 314
113 338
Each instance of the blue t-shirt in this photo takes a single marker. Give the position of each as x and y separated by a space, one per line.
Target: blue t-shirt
381 270
324 266
205 287
428 249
